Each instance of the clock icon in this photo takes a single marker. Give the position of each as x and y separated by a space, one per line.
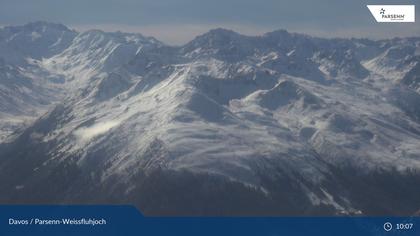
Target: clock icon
387 226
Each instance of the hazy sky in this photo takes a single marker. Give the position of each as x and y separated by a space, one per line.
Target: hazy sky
178 21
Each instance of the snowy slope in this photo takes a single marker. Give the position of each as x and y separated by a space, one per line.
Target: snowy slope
281 123
26 89
35 62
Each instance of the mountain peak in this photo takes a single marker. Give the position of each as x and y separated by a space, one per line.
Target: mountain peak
95 34
36 40
222 43
279 32
218 35
42 26
221 31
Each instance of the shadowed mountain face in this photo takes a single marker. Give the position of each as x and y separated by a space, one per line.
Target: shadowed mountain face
278 124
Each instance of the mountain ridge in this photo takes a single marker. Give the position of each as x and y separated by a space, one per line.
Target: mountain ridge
282 120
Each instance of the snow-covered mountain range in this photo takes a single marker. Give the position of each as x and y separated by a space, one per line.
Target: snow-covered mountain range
228 124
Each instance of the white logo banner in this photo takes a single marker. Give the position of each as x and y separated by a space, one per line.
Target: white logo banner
393 13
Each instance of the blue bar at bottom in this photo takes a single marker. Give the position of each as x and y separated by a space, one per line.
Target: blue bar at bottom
127 220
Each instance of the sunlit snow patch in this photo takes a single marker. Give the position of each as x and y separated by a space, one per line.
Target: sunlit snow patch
87 133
